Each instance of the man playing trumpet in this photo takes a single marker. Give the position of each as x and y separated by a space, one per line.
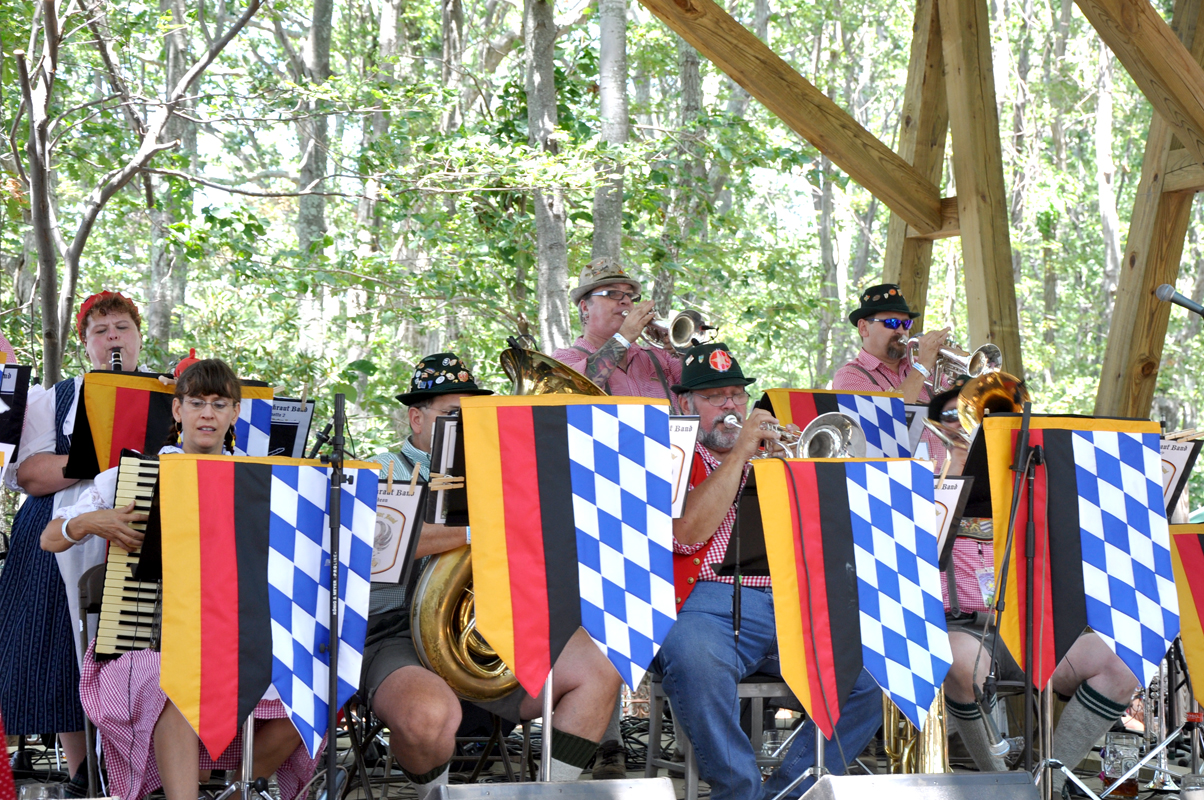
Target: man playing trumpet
883 320
613 315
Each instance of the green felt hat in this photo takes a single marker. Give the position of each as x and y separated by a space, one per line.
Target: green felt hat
709 366
937 404
877 299
441 373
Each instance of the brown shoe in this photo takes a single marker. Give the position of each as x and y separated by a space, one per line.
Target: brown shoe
610 763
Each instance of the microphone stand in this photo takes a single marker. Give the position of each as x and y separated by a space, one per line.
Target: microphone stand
320 440
335 460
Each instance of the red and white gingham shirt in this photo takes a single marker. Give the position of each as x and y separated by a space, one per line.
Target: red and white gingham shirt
637 378
721 536
969 556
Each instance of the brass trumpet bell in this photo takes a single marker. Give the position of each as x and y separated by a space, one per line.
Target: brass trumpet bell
832 435
995 392
682 332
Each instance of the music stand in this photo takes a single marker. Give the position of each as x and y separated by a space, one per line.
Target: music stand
447 506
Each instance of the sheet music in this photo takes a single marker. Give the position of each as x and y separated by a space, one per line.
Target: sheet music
683 432
396 512
949 497
290 426
446 457
1178 458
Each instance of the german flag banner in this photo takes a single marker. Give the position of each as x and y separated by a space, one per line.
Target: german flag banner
571 507
880 414
120 410
246 588
132 411
852 548
1188 556
1101 530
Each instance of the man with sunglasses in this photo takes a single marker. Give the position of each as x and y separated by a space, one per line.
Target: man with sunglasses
613 314
701 661
883 320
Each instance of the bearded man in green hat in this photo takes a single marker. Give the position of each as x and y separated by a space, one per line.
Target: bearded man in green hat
420 709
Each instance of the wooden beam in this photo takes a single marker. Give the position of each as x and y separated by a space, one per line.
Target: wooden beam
1152 253
1160 65
805 109
922 132
950 223
1183 172
978 170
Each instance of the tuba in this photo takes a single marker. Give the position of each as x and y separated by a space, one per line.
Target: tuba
994 392
442 613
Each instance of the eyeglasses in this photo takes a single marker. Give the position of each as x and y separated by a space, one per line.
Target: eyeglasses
198 405
893 324
617 295
720 400
950 415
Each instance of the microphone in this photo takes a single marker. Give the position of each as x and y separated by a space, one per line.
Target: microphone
1167 294
996 743
115 361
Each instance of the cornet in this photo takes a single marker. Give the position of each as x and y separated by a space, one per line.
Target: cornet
951 361
682 331
789 443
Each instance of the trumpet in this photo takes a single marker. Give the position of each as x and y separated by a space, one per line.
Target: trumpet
959 441
790 443
683 330
951 360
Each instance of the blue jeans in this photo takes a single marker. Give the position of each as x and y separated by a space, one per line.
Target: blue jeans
702 664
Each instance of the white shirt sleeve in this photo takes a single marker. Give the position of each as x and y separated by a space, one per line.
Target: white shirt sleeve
98 494
37 432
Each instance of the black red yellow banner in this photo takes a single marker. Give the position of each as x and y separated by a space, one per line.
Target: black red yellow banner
119 410
1187 554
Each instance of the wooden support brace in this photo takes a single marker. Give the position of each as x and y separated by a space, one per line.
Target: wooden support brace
923 129
978 170
1153 250
1167 74
804 108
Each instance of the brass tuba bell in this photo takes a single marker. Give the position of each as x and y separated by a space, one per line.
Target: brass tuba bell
443 614
994 392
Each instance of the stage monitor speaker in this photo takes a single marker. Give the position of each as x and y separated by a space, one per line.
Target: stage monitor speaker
954 786
633 789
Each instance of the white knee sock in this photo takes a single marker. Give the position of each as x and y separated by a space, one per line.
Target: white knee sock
426 783
1087 717
966 719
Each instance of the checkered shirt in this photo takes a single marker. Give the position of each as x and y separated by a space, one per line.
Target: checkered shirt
637 378
904 641
299 589
622 509
1127 573
716 546
968 556
882 378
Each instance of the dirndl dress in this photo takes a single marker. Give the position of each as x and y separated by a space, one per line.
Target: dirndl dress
39 675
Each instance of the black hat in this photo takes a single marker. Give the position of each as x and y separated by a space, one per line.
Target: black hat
709 366
883 297
441 373
937 404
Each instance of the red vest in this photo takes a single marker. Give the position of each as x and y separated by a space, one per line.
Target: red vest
686 568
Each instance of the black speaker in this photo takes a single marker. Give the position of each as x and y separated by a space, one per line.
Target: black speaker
955 786
632 789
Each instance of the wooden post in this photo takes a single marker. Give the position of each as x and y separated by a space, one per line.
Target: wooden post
978 170
1152 253
922 133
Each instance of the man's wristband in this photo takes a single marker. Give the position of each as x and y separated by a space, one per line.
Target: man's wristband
622 340
467 535
923 370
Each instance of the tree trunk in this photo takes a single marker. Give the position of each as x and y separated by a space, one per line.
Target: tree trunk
539 34
313 132
829 259
453 62
612 71
1105 173
166 277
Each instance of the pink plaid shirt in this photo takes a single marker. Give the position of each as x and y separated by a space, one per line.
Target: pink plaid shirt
721 536
969 556
637 378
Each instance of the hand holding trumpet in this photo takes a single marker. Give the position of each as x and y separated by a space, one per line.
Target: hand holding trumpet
637 319
930 345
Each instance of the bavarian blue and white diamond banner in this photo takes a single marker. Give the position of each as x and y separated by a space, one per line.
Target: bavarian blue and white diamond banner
299 588
253 428
1128 578
883 420
621 468
904 641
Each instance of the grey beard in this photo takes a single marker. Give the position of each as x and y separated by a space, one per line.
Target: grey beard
719 438
896 349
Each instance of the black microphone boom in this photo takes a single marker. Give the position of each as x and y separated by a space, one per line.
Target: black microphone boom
1167 294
